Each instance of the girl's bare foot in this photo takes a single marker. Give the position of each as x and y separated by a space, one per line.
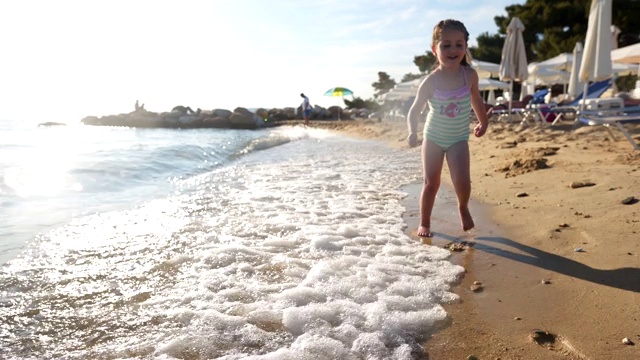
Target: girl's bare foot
466 219
424 231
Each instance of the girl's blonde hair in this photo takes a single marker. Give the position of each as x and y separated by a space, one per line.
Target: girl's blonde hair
450 24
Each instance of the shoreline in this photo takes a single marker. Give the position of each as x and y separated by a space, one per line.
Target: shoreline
564 261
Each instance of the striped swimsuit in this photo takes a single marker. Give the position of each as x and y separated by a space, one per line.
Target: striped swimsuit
448 118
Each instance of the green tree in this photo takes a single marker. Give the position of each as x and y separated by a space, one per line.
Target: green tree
425 62
489 48
359 103
356 103
552 27
384 84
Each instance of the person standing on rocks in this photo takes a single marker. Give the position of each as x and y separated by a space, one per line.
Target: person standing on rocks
306 109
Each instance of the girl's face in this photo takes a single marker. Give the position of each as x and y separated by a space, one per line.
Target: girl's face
452 47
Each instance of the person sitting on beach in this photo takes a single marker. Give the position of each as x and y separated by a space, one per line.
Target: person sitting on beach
627 99
139 107
450 91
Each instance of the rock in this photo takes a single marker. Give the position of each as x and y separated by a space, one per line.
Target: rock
579 184
627 341
476 288
51 123
579 250
242 121
509 144
216 122
189 121
223 113
464 245
456 247
546 282
472 357
564 225
630 200
184 117
522 194
262 113
91 120
517 318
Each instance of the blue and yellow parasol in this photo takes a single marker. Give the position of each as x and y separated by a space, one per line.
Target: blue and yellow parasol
341 92
338 91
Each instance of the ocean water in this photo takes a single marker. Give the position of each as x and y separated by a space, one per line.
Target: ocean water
280 243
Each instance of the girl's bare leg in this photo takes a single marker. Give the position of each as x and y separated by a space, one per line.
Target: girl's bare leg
458 160
432 161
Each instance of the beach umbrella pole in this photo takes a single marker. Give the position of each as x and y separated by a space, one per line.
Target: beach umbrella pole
510 99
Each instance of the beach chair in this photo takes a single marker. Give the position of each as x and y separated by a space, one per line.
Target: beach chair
525 109
518 108
613 117
594 91
534 110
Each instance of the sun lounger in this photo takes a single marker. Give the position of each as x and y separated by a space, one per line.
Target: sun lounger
615 118
518 109
594 91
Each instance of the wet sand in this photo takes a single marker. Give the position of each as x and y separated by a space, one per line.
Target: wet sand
559 266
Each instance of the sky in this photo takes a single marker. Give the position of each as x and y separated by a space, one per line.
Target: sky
63 60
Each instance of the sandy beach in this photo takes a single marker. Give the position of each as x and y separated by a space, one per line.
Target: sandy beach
558 266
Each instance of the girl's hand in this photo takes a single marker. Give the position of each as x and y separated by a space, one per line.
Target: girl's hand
480 129
412 139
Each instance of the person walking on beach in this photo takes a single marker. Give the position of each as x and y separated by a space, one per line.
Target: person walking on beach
306 109
450 91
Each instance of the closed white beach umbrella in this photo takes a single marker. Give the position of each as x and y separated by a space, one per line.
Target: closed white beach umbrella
513 63
575 85
596 57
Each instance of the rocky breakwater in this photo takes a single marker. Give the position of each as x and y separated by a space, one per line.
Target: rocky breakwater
181 117
185 117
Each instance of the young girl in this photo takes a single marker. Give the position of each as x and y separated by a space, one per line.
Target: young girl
450 91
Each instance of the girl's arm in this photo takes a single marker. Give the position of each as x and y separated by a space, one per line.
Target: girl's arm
422 95
478 104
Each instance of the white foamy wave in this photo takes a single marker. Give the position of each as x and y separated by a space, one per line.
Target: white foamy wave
282 135
294 254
